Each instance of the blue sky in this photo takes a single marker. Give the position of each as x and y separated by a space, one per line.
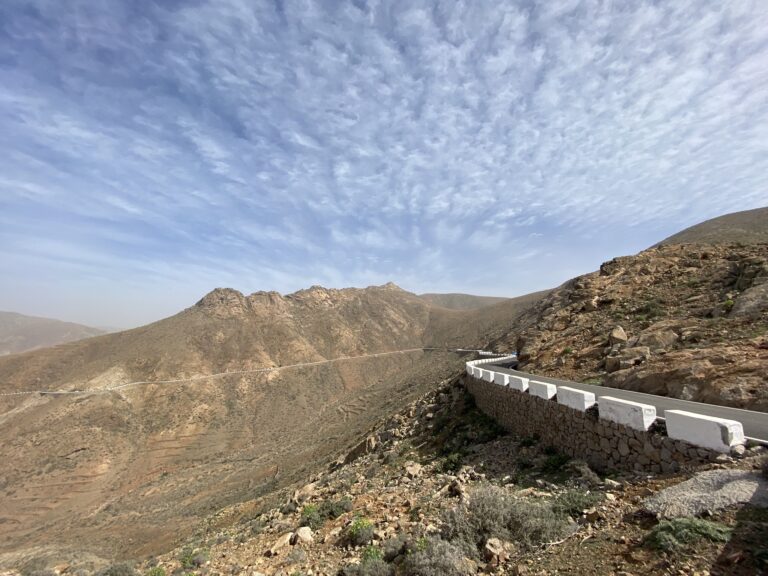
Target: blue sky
152 151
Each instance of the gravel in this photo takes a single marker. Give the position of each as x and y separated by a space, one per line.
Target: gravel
710 490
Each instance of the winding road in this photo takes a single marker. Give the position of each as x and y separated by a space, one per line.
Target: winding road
755 424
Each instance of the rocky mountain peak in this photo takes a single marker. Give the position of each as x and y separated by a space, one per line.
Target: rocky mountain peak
224 302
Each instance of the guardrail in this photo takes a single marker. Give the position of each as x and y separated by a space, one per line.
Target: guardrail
719 434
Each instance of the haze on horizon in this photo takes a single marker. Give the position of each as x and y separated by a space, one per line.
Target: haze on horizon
155 150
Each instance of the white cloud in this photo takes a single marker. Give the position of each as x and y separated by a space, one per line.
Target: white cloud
339 143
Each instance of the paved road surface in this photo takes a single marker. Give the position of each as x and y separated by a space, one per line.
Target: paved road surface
755 423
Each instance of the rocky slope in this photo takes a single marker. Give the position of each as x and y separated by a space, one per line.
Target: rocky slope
438 489
19 333
123 472
460 301
683 320
746 227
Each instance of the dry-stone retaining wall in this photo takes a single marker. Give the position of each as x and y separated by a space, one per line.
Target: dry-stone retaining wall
603 443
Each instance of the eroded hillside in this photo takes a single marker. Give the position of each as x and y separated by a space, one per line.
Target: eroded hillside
689 321
124 472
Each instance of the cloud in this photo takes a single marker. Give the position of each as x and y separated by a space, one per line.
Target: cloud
278 145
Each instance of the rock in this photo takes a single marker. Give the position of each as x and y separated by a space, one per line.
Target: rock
303 535
738 450
494 552
593 515
279 544
520 570
305 492
413 469
654 339
617 336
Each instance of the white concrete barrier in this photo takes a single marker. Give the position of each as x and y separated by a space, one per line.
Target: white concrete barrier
706 431
518 383
488 375
477 372
469 369
633 414
542 389
576 399
501 379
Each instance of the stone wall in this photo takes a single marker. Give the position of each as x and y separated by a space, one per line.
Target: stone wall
603 444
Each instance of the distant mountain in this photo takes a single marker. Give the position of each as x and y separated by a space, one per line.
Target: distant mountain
19 333
461 301
747 227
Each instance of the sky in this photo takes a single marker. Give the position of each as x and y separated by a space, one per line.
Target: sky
152 151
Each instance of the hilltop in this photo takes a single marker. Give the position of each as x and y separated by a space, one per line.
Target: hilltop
746 227
688 320
20 333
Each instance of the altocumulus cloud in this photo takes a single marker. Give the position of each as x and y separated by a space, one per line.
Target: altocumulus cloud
153 150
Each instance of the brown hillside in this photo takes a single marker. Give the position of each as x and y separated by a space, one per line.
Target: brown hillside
747 227
124 473
20 333
690 321
461 301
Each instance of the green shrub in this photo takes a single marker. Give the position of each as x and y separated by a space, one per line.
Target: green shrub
554 463
310 516
189 558
156 571
728 305
452 463
567 351
395 547
372 568
371 553
359 532
315 516
492 513
676 534
573 502
121 569
529 441
437 558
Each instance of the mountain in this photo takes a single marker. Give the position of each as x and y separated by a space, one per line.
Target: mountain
19 333
747 227
460 301
121 472
687 318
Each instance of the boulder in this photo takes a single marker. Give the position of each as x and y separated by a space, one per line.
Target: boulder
303 535
657 339
494 552
617 336
413 469
279 544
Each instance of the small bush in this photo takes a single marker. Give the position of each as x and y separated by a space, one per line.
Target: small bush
491 513
437 558
573 502
371 553
728 305
121 569
452 463
672 535
189 559
310 516
315 516
395 547
529 441
567 351
554 463
359 533
372 568
156 571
